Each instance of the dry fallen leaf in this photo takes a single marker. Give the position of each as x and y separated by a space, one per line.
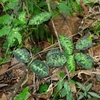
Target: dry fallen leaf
92 17
43 95
27 43
31 77
55 74
64 24
84 8
1 55
86 72
79 72
4 97
31 98
94 52
44 44
96 87
14 61
73 87
3 69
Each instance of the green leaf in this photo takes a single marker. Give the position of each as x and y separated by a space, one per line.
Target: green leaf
10 4
5 31
71 81
43 88
22 55
76 7
6 19
23 95
42 4
53 51
67 87
64 8
17 22
39 68
88 1
22 17
88 96
81 95
35 50
1 58
30 6
84 44
88 87
93 94
3 1
71 63
40 18
97 27
66 44
85 93
92 98
69 96
55 58
60 84
62 74
84 60
81 86
63 92
14 34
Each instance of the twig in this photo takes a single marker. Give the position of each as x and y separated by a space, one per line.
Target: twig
26 8
67 72
45 50
12 67
56 34
48 4
34 57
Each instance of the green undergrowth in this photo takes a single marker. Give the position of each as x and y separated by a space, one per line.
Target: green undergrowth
28 19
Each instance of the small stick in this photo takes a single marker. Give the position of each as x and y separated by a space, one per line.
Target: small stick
48 4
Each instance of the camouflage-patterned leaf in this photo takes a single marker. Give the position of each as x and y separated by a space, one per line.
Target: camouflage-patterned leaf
55 59
84 60
53 51
66 44
39 68
84 44
71 63
40 18
22 55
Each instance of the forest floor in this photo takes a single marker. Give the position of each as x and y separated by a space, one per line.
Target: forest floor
14 77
